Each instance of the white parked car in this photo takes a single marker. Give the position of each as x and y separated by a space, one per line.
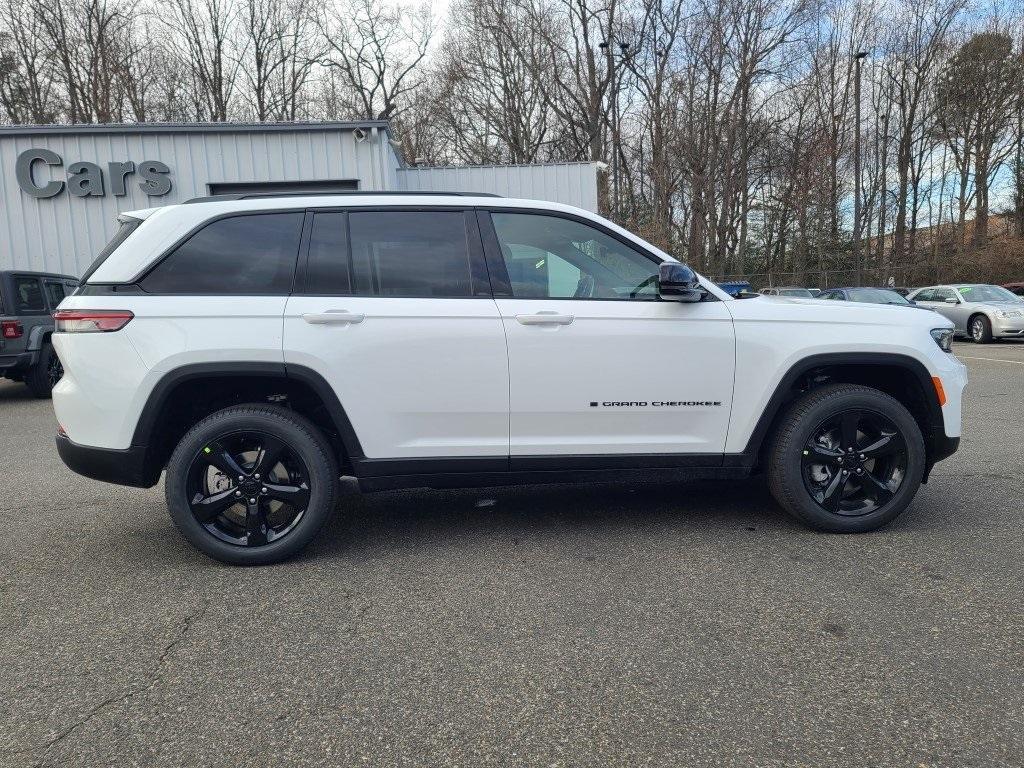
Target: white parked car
980 312
257 348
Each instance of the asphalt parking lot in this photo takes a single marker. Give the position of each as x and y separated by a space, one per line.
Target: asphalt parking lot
689 624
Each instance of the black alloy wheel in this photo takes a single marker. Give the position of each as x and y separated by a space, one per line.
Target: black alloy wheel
54 371
248 488
846 458
854 462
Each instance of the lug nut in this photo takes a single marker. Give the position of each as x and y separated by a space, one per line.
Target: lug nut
238 493
263 490
241 478
257 475
252 501
862 457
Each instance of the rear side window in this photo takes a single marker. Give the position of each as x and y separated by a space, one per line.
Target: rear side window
249 255
28 295
55 293
329 269
411 253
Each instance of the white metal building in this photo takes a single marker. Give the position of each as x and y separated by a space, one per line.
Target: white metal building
64 185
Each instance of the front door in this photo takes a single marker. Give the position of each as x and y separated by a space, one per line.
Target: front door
395 312
597 363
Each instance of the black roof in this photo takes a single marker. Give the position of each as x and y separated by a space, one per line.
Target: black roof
33 273
337 193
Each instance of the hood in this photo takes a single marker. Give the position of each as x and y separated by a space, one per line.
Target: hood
826 312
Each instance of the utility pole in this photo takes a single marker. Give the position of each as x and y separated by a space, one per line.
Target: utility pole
614 81
858 59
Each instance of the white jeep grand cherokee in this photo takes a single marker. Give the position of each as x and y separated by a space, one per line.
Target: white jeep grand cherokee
259 347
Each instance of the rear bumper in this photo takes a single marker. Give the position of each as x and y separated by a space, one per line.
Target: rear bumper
18 363
121 467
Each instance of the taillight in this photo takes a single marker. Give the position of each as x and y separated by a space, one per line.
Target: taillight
11 329
91 320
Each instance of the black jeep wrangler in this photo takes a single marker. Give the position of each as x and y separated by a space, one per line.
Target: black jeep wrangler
27 301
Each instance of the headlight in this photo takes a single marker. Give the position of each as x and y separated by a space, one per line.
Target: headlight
944 338
1009 313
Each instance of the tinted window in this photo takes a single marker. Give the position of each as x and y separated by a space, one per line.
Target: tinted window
28 295
552 257
329 268
55 293
242 255
410 253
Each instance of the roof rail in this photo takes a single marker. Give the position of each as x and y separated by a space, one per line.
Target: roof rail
357 193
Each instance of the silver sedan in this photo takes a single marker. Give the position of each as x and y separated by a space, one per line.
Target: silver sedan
980 312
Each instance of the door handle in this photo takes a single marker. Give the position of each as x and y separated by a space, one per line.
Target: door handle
545 317
333 317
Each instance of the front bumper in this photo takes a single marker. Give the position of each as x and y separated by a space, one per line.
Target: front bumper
121 467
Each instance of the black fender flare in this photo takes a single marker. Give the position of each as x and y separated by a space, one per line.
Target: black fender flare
804 366
158 397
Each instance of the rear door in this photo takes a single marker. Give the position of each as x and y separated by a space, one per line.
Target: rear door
597 363
394 310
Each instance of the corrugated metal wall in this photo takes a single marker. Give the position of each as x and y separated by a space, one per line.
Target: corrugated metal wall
63 233
569 183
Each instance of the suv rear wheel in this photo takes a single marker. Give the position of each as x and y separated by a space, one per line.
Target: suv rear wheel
252 484
846 459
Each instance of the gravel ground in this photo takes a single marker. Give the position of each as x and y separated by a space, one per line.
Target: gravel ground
687 624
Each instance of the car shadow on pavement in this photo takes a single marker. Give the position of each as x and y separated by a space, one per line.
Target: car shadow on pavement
415 518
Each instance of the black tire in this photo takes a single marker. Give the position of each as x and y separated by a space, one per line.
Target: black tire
305 446
42 377
980 330
793 474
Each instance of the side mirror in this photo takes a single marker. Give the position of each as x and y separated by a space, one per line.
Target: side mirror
677 282
951 300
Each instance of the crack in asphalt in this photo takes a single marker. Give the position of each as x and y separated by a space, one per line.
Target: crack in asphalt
152 677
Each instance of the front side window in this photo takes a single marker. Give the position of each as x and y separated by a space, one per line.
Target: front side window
28 295
249 255
548 257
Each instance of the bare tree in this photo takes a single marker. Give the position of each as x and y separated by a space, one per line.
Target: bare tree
375 51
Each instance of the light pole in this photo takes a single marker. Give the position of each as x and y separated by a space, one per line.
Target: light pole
613 81
858 59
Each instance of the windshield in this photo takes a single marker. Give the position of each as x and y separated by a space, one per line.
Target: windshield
986 293
875 296
796 292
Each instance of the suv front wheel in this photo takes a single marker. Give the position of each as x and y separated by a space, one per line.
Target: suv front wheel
252 484
846 459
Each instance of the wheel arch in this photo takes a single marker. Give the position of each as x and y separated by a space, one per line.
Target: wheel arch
187 394
902 376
